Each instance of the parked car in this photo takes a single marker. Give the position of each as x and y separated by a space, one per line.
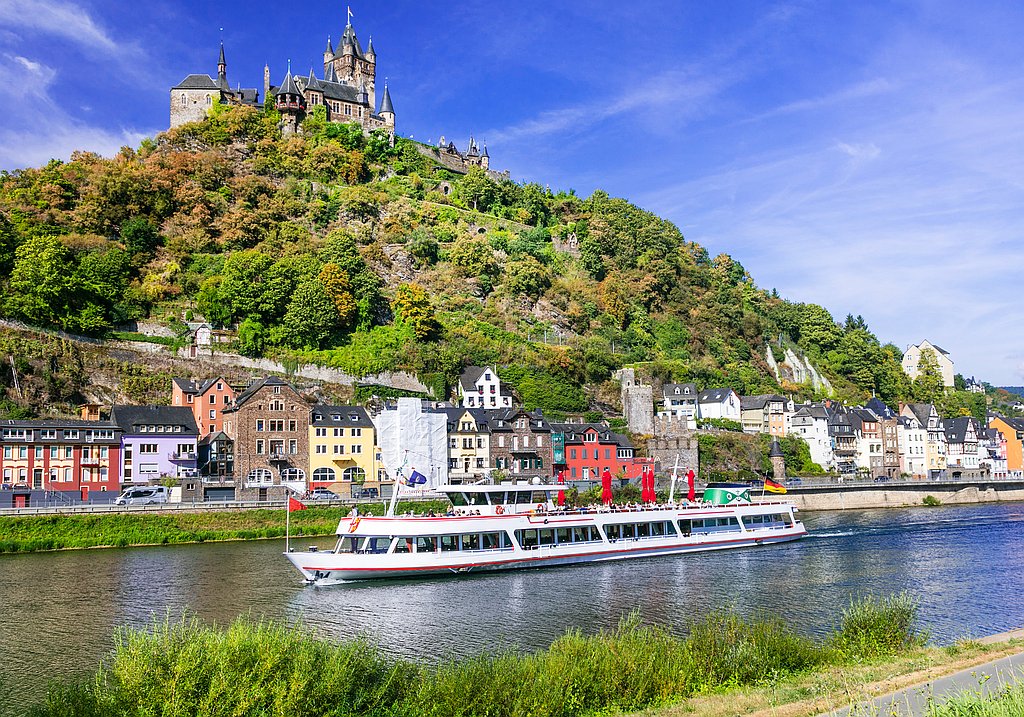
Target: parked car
323 494
364 492
144 495
880 479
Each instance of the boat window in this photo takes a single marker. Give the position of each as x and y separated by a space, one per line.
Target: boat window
657 529
643 530
628 531
471 541
477 498
527 538
426 544
595 534
458 499
522 497
686 526
347 545
376 544
614 532
563 535
540 496
403 544
547 536
449 543
494 541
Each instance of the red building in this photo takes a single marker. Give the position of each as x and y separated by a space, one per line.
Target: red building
207 399
71 456
590 448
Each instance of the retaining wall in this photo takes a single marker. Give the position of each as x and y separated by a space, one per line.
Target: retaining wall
856 497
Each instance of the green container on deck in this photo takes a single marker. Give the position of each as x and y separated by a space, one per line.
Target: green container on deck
727 493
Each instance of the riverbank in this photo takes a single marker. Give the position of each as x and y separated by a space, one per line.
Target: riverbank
35 533
725 665
903 494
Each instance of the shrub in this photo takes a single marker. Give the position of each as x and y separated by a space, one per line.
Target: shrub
877 627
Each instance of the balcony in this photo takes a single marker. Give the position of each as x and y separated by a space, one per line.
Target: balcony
183 456
90 461
278 457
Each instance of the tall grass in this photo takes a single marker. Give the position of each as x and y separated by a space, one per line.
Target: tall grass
878 627
1008 702
30 533
186 669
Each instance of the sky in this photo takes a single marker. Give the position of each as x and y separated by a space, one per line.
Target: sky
868 156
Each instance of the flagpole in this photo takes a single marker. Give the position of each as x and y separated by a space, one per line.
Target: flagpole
287 525
672 489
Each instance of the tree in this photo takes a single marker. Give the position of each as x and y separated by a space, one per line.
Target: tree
818 328
251 338
928 386
41 284
412 307
311 320
472 257
339 290
243 284
477 189
140 237
526 276
8 243
211 304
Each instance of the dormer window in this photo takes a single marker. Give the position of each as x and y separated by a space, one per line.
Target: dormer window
335 416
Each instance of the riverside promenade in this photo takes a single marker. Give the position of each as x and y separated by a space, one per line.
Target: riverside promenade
915 701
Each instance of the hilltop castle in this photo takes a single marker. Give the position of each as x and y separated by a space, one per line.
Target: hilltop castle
347 90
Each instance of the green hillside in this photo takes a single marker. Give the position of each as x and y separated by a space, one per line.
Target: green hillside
336 248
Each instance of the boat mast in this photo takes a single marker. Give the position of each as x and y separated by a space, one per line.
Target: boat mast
672 489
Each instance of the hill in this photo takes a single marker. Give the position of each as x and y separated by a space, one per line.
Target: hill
337 248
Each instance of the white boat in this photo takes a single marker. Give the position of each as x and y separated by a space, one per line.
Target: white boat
502 527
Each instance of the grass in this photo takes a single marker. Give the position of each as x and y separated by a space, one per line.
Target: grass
1006 702
32 533
185 668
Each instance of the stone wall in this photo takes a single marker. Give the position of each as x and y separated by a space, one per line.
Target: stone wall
665 450
859 497
637 402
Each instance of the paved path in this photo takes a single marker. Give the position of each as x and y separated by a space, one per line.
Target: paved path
913 701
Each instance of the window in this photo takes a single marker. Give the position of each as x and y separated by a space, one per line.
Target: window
104 452
324 475
69 452
292 426
276 425
213 399
39 453
73 435
321 449
7 452
259 475
213 414
184 102
148 448
260 447
48 435
354 474
339 449
357 448
190 398
53 452
293 474
293 446
357 432
259 424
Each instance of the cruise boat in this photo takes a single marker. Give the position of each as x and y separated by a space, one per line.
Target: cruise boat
503 527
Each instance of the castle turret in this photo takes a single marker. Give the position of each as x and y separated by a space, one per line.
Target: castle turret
778 460
290 103
387 109
485 159
266 81
371 54
328 56
222 71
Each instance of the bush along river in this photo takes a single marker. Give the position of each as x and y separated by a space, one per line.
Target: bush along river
962 563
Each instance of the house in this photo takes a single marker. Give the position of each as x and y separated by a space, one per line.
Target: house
844 442
890 437
962 455
972 385
679 401
158 443
412 435
763 414
67 456
992 453
1012 431
207 400
912 357
810 422
481 388
521 443
269 424
590 448
913 442
868 432
469 445
935 446
217 466
342 449
719 403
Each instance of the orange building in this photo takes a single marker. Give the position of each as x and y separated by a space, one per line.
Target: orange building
207 399
1011 429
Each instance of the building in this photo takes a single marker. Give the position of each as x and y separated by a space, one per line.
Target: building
159 443
890 437
521 444
206 399
868 431
844 441
935 445
342 449
1012 431
217 466
412 435
481 388
269 424
680 401
763 414
912 357
592 448
913 442
193 97
69 456
469 445
810 422
992 451
720 403
963 459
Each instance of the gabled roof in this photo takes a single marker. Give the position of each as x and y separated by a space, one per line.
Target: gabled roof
311 82
479 416
471 374
879 408
251 391
922 411
130 418
714 395
502 419
196 388
197 82
755 402
218 437
685 389
574 433
340 416
956 428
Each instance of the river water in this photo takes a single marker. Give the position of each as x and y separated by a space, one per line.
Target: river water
58 611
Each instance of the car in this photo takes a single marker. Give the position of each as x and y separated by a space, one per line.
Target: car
794 481
881 479
144 495
322 494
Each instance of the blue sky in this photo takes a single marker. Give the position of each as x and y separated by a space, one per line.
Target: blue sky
865 156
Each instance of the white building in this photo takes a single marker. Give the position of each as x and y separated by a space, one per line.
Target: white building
679 401
481 388
962 454
719 403
412 436
913 441
912 357
810 422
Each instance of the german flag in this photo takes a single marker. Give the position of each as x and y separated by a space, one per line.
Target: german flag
773 487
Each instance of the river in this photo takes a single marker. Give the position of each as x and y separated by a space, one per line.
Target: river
58 611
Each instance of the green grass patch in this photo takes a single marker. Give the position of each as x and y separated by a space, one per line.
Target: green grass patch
1006 702
32 533
263 668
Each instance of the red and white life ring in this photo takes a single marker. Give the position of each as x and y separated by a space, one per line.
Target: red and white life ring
355 524
540 507
500 510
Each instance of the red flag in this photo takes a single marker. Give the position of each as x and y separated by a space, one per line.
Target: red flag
692 494
295 505
606 487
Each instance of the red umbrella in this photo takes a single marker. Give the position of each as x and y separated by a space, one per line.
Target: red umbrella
643 484
692 495
652 496
561 493
606 487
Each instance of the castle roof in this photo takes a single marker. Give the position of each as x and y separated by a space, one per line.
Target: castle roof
329 74
484 152
330 48
369 46
221 60
349 38
385 103
312 83
341 91
288 87
197 82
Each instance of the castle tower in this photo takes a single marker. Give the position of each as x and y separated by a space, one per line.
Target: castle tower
291 104
485 159
328 56
266 81
778 461
353 66
222 71
387 109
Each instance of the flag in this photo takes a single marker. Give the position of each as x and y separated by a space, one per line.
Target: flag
773 487
295 505
417 478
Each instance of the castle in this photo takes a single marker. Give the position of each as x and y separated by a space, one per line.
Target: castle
347 90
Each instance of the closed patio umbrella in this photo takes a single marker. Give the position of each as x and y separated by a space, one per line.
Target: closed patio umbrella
606 487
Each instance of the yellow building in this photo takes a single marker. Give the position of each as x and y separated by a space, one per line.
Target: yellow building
469 445
342 450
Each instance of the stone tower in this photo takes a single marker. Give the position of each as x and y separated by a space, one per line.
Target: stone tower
351 65
387 109
778 461
637 402
291 103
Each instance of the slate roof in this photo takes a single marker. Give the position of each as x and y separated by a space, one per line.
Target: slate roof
197 82
130 418
574 433
503 419
688 390
219 436
755 402
288 87
341 416
922 411
470 375
349 38
714 395
251 391
189 386
956 429
478 414
879 408
385 103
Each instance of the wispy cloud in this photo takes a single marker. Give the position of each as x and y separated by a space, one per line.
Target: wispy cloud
61 19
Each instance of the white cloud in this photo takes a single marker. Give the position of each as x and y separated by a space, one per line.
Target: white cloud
62 19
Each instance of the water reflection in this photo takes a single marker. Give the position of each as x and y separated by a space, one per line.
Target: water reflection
58 611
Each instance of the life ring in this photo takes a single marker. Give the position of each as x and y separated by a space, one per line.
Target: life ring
500 510
355 524
540 507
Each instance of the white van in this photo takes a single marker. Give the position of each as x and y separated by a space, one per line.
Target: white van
144 495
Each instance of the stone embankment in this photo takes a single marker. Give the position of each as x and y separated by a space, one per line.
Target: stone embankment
896 494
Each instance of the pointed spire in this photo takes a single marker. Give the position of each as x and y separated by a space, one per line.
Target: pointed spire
288 87
312 83
222 70
330 75
222 61
385 102
369 46
485 151
330 47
